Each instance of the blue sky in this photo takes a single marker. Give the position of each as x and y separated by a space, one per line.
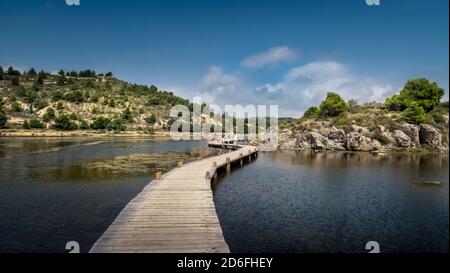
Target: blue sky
288 53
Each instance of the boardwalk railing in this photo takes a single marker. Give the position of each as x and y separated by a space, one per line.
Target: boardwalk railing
175 212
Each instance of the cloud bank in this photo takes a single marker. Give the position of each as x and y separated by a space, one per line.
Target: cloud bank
300 88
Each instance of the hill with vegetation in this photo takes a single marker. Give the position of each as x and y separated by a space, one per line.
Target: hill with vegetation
81 100
415 119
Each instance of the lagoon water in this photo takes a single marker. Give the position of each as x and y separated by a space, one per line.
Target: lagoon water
55 190
336 202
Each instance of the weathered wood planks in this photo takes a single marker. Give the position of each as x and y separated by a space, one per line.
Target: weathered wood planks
174 213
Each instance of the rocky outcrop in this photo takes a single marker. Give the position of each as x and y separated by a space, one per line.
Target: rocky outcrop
412 131
321 135
430 136
401 139
357 141
290 144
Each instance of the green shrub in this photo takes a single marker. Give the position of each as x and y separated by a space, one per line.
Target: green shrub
12 72
127 115
438 118
100 123
25 124
341 120
21 91
116 125
414 114
15 107
40 80
312 112
422 92
425 93
15 81
35 124
84 125
61 80
40 103
60 105
49 115
64 123
151 119
3 119
74 96
73 116
56 95
333 106
111 103
95 111
396 103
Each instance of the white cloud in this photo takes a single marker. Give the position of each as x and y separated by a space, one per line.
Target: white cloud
270 57
271 88
218 87
300 88
318 71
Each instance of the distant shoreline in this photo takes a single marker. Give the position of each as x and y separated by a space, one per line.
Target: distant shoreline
77 133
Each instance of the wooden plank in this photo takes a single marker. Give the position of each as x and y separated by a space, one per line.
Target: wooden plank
175 213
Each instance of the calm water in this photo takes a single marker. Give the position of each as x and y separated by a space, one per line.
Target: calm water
335 202
57 190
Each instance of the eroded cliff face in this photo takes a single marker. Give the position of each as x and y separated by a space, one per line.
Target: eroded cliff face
322 135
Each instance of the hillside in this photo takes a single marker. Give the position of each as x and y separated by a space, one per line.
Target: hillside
82 100
413 120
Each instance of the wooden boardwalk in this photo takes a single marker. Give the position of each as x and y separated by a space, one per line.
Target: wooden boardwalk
175 212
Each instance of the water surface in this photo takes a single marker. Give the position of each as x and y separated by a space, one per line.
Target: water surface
55 190
336 202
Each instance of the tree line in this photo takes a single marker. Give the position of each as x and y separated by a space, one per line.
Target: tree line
419 101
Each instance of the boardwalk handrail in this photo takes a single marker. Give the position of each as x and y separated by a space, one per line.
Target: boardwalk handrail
175 213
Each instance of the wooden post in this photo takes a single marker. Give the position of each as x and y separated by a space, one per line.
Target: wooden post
214 164
180 164
158 175
241 161
208 175
228 165
250 158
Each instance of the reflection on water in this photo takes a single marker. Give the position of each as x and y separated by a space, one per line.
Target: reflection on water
336 202
55 190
